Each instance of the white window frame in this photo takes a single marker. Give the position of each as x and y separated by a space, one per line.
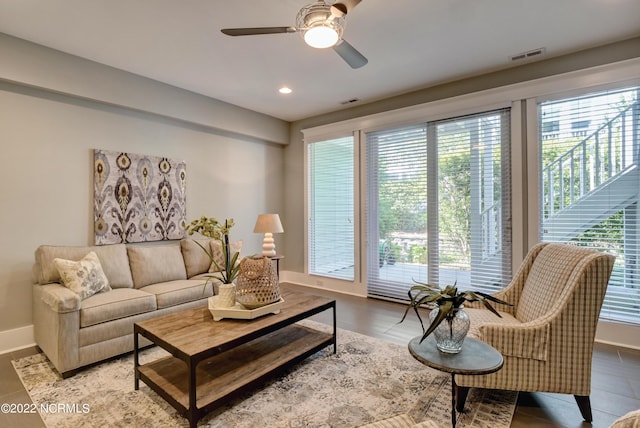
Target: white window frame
333 283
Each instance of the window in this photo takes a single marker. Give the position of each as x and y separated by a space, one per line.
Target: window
589 184
396 210
550 126
438 205
331 232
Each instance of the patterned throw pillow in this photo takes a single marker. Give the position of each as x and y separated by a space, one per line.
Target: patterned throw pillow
216 251
84 277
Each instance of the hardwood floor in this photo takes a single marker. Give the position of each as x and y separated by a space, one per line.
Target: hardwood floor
615 373
615 377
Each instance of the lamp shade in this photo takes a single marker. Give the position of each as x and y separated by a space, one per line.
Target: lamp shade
268 223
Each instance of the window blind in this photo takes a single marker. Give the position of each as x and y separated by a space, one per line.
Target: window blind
331 233
474 202
396 210
590 183
438 205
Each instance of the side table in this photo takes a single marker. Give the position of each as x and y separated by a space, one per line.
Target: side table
277 259
475 358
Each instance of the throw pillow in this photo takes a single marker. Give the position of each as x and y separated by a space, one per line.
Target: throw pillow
84 277
216 252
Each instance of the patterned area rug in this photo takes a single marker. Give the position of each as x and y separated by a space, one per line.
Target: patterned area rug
367 380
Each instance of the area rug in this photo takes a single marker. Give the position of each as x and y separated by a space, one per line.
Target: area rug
367 380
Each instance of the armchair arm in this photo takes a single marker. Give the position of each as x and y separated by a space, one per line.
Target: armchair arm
59 298
527 340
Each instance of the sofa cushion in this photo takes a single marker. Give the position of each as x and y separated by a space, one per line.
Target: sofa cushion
216 251
116 304
196 261
212 278
176 292
113 259
84 277
151 264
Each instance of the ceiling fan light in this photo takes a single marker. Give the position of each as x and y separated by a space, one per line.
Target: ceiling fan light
318 26
321 37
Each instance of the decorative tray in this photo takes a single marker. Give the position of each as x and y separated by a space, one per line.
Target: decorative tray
240 312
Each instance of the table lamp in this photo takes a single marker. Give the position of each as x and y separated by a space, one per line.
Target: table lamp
268 224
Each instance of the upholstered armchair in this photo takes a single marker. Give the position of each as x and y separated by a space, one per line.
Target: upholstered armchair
547 337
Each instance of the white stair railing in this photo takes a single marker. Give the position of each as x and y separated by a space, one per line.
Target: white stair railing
590 164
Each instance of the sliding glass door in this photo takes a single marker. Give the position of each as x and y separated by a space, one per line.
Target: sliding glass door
438 205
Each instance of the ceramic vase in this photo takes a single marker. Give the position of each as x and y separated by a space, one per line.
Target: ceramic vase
226 295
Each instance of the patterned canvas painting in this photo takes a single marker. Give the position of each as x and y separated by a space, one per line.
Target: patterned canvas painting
138 198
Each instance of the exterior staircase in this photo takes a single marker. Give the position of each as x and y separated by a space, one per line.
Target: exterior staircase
616 194
599 176
595 179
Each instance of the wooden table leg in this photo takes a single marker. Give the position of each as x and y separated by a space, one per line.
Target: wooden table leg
136 362
193 418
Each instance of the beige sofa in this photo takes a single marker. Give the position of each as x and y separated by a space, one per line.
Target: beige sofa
146 281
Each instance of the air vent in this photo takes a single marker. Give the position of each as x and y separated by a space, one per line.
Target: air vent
351 101
527 55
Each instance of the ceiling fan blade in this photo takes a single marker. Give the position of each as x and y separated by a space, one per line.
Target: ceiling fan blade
257 31
350 54
343 7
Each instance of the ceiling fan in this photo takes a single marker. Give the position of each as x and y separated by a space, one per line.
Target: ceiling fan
321 25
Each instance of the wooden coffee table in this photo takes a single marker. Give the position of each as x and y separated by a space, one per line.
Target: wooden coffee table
212 362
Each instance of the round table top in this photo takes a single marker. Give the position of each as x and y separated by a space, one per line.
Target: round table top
475 358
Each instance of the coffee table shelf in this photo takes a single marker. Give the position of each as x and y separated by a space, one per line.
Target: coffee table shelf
220 377
213 361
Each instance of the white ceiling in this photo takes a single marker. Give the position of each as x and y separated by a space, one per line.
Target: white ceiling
410 44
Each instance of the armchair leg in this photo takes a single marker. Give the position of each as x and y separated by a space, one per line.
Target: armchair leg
461 397
585 407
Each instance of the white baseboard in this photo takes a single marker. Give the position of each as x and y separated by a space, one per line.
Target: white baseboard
618 334
324 283
18 338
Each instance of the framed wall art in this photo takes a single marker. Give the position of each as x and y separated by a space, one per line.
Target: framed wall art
138 198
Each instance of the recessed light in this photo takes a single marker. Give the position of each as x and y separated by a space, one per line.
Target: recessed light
285 90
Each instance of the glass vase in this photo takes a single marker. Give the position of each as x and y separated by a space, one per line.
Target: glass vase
452 330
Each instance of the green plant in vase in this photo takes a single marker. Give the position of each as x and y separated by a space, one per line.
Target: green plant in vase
212 228
448 302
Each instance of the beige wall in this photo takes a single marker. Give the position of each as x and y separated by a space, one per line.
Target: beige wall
46 178
36 66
